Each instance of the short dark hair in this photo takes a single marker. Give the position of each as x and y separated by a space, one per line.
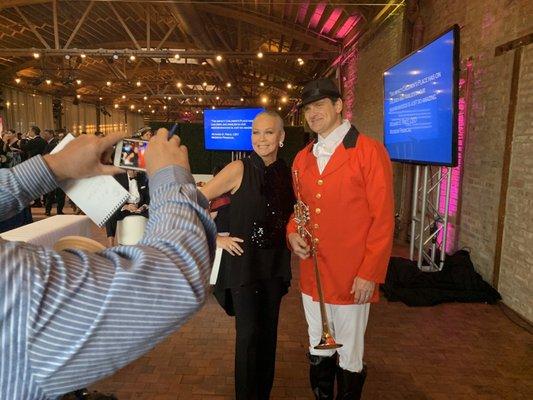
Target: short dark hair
36 130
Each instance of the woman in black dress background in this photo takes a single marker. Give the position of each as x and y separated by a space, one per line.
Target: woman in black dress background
255 269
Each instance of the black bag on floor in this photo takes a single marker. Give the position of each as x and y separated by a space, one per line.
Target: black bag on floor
458 281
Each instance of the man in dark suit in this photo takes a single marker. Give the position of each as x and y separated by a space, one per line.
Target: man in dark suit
57 194
34 146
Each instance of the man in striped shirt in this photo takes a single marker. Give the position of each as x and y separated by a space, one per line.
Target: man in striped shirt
68 319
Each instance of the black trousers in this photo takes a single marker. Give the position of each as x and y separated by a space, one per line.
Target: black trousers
256 322
56 195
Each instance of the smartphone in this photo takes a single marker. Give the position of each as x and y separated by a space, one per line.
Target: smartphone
129 154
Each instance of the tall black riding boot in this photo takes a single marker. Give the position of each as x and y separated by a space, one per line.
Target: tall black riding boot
322 376
350 384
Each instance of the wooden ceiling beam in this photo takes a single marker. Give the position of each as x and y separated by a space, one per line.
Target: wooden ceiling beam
279 27
121 20
79 24
32 28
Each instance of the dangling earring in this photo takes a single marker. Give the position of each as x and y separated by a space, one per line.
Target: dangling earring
280 144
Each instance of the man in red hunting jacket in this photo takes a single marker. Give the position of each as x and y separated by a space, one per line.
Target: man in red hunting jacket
345 178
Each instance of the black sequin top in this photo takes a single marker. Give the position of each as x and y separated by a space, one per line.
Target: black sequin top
259 212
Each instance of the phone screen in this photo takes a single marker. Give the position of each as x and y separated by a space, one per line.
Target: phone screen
132 154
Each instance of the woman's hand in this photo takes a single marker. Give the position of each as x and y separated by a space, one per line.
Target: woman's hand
230 244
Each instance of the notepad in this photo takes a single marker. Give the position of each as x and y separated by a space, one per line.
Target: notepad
99 197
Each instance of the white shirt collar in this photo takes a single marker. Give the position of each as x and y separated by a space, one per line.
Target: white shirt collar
327 145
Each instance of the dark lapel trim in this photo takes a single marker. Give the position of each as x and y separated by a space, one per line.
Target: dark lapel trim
350 140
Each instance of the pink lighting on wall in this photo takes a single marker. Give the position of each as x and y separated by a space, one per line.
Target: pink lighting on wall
457 172
315 19
335 15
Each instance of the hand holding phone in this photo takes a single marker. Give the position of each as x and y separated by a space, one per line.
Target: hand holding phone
129 154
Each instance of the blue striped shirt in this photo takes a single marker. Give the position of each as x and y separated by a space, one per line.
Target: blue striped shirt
71 318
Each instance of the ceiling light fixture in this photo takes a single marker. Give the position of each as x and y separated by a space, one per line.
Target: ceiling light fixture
260 54
289 85
116 105
78 96
123 96
179 85
177 56
78 81
36 55
145 97
82 55
108 83
219 58
48 81
17 80
228 84
132 58
138 83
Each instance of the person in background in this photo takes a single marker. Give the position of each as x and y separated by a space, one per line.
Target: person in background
255 268
93 316
57 195
346 180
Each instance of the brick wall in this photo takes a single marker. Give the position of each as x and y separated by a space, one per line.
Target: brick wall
363 83
485 24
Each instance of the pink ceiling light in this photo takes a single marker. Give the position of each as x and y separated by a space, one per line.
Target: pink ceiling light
347 26
315 19
302 12
335 15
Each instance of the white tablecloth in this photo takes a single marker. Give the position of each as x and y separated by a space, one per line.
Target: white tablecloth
47 231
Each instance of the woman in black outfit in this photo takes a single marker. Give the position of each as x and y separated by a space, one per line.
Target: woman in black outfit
255 269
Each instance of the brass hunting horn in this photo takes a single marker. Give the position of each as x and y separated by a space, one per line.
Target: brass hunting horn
302 218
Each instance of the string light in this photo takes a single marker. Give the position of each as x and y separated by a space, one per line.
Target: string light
218 97
78 81
17 80
108 83
100 98
260 54
132 107
179 85
228 84
138 83
289 85
264 99
145 97
78 96
132 58
300 61
123 96
261 83
116 105
204 84
284 99
153 111
242 99
83 55
164 107
48 81
279 108
219 58
176 56
200 99
213 107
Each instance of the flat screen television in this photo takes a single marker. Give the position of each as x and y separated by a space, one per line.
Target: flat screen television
229 128
420 103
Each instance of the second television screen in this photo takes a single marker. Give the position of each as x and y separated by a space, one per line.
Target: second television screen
229 129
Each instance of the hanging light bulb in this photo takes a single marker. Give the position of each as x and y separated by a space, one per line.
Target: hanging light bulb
108 83
116 106
219 58
259 54
179 85
132 58
228 84
48 81
36 55
145 97
138 83
123 96
17 80
289 85
78 81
